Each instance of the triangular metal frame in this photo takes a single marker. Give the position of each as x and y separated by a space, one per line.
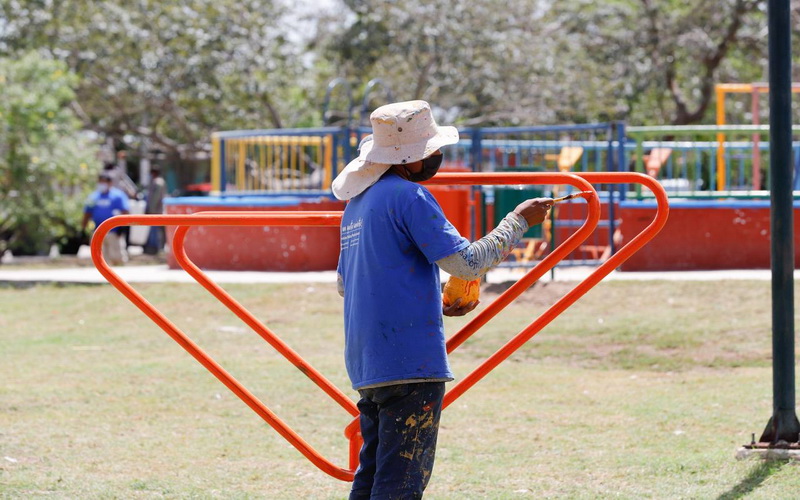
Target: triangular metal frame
581 181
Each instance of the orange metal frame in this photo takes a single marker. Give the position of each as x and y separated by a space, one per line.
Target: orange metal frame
581 181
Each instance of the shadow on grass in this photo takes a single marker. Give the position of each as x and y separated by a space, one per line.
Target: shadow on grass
757 475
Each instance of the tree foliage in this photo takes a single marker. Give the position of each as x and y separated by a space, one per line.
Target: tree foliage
520 61
171 72
166 74
44 159
659 60
473 58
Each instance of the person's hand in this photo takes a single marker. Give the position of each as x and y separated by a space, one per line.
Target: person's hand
534 211
456 309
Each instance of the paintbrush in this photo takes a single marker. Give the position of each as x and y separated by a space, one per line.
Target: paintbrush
583 194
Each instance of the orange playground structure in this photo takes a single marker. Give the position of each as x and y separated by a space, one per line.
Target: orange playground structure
583 182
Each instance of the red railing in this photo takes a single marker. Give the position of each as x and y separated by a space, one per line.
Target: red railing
581 181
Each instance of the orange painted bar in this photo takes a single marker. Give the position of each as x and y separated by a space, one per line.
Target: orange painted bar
235 307
178 336
567 300
580 181
351 432
535 273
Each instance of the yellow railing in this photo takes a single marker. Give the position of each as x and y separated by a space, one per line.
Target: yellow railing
754 89
216 177
271 163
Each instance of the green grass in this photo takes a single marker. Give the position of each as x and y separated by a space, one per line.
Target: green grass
640 390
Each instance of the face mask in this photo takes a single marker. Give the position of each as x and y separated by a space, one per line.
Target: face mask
430 166
103 187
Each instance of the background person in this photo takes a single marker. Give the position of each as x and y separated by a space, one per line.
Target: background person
120 180
105 202
154 198
394 239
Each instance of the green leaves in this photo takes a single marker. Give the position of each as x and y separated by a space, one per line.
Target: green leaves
523 62
171 72
44 159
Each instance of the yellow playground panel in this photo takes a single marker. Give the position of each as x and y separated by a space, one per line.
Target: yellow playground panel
272 163
566 158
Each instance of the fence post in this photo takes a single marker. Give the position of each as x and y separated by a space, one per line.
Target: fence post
622 156
476 155
475 150
223 176
347 147
611 188
215 163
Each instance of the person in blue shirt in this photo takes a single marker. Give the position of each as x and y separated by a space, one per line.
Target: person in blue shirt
394 240
105 202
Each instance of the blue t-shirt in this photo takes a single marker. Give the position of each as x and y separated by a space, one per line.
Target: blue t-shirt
391 236
103 206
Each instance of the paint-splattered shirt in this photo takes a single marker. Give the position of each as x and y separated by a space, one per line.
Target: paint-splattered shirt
392 235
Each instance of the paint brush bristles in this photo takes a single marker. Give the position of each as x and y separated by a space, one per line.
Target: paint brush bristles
583 194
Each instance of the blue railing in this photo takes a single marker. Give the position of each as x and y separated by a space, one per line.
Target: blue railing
279 161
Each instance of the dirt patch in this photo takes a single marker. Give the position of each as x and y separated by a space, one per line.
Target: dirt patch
540 293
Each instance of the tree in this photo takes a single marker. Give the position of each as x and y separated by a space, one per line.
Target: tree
483 61
529 62
169 72
44 159
662 59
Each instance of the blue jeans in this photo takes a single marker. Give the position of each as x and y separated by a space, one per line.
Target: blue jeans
399 424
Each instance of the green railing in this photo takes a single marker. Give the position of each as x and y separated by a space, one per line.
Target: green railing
722 158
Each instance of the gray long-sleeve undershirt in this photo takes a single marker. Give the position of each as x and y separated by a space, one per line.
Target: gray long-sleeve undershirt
482 255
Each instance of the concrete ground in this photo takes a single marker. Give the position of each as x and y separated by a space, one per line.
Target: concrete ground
84 273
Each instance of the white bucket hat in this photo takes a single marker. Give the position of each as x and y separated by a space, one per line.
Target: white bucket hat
402 132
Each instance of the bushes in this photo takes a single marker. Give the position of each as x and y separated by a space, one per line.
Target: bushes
47 165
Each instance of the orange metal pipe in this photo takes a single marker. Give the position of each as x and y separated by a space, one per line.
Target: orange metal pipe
276 218
333 219
179 251
584 286
352 432
533 275
178 336
569 245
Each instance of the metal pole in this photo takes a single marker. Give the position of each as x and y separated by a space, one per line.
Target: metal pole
622 157
783 426
223 166
612 225
755 96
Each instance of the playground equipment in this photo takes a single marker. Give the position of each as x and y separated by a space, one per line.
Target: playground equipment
568 156
592 147
581 182
684 160
285 162
719 167
656 159
272 160
755 90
